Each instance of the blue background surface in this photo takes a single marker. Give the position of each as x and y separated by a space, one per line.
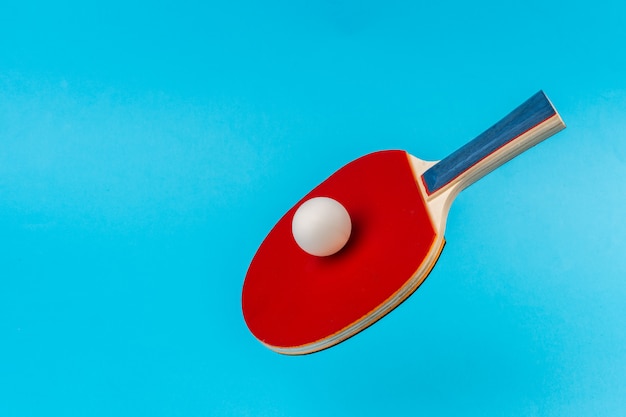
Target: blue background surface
146 148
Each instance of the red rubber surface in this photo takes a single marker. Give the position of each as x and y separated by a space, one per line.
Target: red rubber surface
292 299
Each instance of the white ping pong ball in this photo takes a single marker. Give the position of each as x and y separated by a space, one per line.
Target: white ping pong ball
321 226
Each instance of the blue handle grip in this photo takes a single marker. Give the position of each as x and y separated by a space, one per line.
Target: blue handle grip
532 113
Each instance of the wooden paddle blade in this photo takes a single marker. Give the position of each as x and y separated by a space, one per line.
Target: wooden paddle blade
297 303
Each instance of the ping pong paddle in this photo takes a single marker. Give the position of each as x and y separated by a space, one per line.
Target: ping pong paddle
297 301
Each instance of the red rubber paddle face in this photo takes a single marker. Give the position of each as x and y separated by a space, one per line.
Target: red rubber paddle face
295 302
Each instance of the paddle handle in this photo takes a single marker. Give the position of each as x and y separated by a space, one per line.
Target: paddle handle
530 123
